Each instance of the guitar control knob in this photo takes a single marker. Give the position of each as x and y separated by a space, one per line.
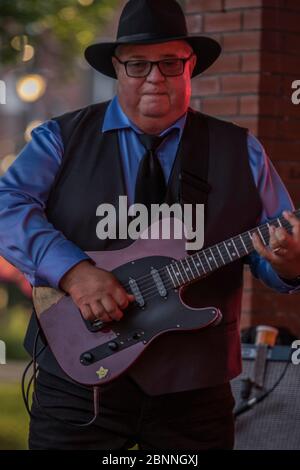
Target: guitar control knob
136 335
113 345
87 358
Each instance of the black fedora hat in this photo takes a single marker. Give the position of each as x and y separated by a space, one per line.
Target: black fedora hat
149 22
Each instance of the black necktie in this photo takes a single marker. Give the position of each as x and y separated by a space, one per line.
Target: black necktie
150 185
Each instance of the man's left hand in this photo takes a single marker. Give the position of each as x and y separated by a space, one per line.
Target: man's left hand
283 251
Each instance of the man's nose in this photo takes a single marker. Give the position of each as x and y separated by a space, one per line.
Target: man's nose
155 75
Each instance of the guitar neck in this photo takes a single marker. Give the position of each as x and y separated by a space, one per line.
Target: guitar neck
208 260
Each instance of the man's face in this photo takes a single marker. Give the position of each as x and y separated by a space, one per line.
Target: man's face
154 96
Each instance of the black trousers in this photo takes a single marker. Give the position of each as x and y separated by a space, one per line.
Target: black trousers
197 419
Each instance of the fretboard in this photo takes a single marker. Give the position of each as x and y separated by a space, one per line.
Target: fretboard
208 260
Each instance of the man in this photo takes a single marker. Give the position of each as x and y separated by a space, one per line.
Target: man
177 395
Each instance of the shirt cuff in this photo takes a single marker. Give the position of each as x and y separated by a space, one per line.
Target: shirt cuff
57 262
288 287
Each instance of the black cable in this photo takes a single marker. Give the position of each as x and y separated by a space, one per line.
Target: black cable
96 394
26 395
249 404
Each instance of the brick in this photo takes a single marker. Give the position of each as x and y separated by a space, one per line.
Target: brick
268 127
261 61
294 190
249 105
205 86
199 6
290 21
270 84
280 150
243 41
272 41
291 64
292 43
229 4
292 5
290 109
215 22
250 123
194 23
289 171
270 106
290 129
220 106
251 61
240 83
252 19
226 63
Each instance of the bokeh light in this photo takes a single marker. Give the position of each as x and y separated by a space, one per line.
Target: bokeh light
31 87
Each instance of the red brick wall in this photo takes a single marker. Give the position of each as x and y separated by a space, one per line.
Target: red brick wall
251 85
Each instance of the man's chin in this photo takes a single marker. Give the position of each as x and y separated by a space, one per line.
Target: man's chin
155 106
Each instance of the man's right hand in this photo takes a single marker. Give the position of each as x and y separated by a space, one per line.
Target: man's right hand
97 293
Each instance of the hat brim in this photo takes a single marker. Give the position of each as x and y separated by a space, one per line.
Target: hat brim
206 49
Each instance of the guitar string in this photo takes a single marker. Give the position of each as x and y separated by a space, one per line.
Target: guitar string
169 283
153 291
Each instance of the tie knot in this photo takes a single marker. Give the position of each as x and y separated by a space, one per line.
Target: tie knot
151 142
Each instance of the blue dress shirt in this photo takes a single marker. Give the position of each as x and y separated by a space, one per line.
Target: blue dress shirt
44 255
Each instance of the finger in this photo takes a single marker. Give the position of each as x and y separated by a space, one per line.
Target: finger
273 242
283 238
87 312
99 311
122 298
294 222
261 249
280 252
111 308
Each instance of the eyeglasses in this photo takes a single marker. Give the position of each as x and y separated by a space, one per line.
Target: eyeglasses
168 67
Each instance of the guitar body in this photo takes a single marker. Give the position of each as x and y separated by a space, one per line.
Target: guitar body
94 354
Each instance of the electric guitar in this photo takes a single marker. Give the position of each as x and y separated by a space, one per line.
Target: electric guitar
156 271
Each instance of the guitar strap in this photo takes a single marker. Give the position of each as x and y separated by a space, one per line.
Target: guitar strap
188 183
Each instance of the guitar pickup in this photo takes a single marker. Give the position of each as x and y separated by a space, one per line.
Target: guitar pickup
136 292
159 282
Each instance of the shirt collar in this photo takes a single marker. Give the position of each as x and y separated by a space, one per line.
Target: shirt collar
116 119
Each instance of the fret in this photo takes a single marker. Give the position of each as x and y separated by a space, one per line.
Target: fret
170 275
203 269
179 272
190 268
212 254
184 269
176 273
216 255
243 244
198 272
225 244
237 251
220 254
208 263
261 235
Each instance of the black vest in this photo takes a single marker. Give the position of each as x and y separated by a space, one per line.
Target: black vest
91 174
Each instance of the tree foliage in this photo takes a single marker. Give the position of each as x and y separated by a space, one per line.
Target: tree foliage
61 27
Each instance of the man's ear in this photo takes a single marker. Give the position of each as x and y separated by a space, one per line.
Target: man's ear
115 65
193 63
